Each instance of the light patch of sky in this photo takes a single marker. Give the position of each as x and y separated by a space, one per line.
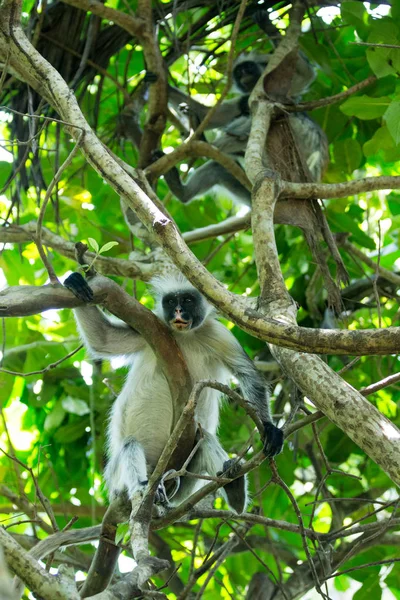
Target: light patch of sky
243 210
380 11
6 156
22 440
51 315
328 13
5 116
126 564
118 362
87 372
3 280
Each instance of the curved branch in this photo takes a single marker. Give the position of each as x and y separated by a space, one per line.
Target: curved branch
198 149
36 577
338 190
36 71
18 234
343 405
307 106
133 25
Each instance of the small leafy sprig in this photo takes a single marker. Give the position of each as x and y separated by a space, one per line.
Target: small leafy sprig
92 242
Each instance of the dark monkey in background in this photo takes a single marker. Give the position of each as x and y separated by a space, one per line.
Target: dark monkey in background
296 149
232 119
141 417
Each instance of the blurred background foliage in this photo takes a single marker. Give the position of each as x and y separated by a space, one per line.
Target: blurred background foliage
54 419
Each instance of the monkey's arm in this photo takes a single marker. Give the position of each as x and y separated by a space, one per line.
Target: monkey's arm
102 338
224 114
254 388
202 180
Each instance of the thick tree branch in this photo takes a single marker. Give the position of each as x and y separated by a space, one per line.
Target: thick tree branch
36 577
374 433
32 68
338 190
19 234
133 25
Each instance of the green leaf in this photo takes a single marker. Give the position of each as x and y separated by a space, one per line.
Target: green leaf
381 140
392 581
107 246
392 119
55 417
393 201
381 60
122 531
370 589
93 244
75 406
354 14
365 107
71 432
347 154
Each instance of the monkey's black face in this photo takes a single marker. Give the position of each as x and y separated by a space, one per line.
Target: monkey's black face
246 75
183 310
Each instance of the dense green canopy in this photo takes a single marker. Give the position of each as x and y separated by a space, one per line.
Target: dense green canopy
55 400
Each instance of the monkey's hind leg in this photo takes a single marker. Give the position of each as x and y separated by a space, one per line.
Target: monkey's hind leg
212 459
126 471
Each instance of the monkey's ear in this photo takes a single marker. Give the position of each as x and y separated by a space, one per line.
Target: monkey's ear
78 286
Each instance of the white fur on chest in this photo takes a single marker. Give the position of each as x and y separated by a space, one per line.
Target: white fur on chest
144 407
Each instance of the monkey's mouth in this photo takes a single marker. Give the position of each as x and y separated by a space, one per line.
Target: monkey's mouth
181 324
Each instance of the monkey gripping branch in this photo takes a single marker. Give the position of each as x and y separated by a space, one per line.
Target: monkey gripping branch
342 404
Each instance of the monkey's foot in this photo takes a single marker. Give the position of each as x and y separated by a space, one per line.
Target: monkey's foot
79 287
273 440
236 490
175 481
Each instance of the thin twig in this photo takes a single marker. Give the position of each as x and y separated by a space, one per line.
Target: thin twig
46 369
38 239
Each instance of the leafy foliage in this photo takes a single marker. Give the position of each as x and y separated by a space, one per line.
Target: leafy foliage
56 416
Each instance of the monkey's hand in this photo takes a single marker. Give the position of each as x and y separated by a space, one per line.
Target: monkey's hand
79 287
273 440
150 77
156 154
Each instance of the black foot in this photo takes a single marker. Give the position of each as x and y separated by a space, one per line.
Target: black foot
236 491
78 286
273 440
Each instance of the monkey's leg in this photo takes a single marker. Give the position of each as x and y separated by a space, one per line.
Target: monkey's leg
126 470
212 459
202 180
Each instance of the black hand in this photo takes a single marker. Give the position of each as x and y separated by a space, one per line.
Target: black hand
244 105
273 440
78 286
150 77
156 154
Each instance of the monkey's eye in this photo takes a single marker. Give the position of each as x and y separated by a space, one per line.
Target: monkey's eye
171 302
187 300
